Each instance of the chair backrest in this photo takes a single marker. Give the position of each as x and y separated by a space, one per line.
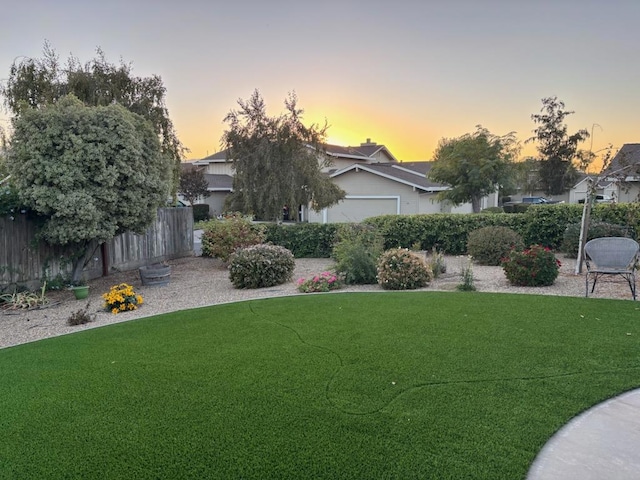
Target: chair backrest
612 252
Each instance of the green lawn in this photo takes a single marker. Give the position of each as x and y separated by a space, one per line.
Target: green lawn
349 386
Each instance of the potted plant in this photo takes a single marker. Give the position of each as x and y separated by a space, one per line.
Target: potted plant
80 290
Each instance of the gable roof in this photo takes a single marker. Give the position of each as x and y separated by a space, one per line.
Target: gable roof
365 152
412 174
627 157
219 183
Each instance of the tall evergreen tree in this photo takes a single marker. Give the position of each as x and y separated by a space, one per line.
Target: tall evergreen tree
36 82
277 160
558 149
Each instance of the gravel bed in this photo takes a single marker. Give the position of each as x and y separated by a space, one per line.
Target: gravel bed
199 281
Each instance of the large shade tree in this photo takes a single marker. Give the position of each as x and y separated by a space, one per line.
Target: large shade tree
473 165
277 160
36 82
558 150
89 172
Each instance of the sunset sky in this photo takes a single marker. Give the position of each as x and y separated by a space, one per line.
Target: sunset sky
404 73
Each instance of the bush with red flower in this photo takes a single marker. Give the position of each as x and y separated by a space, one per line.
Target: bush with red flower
535 266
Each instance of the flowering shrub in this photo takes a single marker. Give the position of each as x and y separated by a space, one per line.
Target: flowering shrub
322 282
402 269
260 266
121 298
535 266
489 245
221 238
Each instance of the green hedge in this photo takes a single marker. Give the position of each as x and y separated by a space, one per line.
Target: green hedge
304 240
540 224
446 232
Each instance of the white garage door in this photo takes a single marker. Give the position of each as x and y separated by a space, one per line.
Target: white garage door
356 209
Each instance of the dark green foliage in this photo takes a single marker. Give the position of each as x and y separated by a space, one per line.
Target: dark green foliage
356 253
277 161
493 210
535 266
89 172
516 208
557 149
446 232
305 240
36 82
473 165
221 238
489 245
10 203
571 240
193 183
429 385
261 266
402 269
200 212
545 224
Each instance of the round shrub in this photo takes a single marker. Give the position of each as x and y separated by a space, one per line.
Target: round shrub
402 269
221 238
200 212
489 245
535 266
260 266
571 237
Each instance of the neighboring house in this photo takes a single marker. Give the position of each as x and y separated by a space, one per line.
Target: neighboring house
624 173
388 188
375 182
605 187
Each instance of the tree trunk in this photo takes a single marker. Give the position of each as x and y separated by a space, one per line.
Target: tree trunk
475 204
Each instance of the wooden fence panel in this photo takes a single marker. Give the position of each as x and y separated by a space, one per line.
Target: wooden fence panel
24 260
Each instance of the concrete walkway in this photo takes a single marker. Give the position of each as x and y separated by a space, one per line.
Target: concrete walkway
603 443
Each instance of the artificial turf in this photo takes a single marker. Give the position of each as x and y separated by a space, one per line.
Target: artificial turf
348 386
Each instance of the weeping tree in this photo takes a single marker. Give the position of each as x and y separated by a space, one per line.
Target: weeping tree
89 172
278 161
558 151
473 165
37 82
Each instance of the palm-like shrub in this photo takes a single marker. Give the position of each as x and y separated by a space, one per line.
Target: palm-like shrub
489 245
535 266
260 266
402 269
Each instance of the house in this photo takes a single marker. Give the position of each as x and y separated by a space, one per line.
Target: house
375 182
388 188
624 173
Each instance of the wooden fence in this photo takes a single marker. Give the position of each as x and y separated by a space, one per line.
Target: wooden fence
25 261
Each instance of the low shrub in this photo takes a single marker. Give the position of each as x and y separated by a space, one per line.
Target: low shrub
80 317
489 245
121 298
493 210
437 263
220 238
260 266
356 253
402 269
535 266
323 282
467 280
200 212
596 230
